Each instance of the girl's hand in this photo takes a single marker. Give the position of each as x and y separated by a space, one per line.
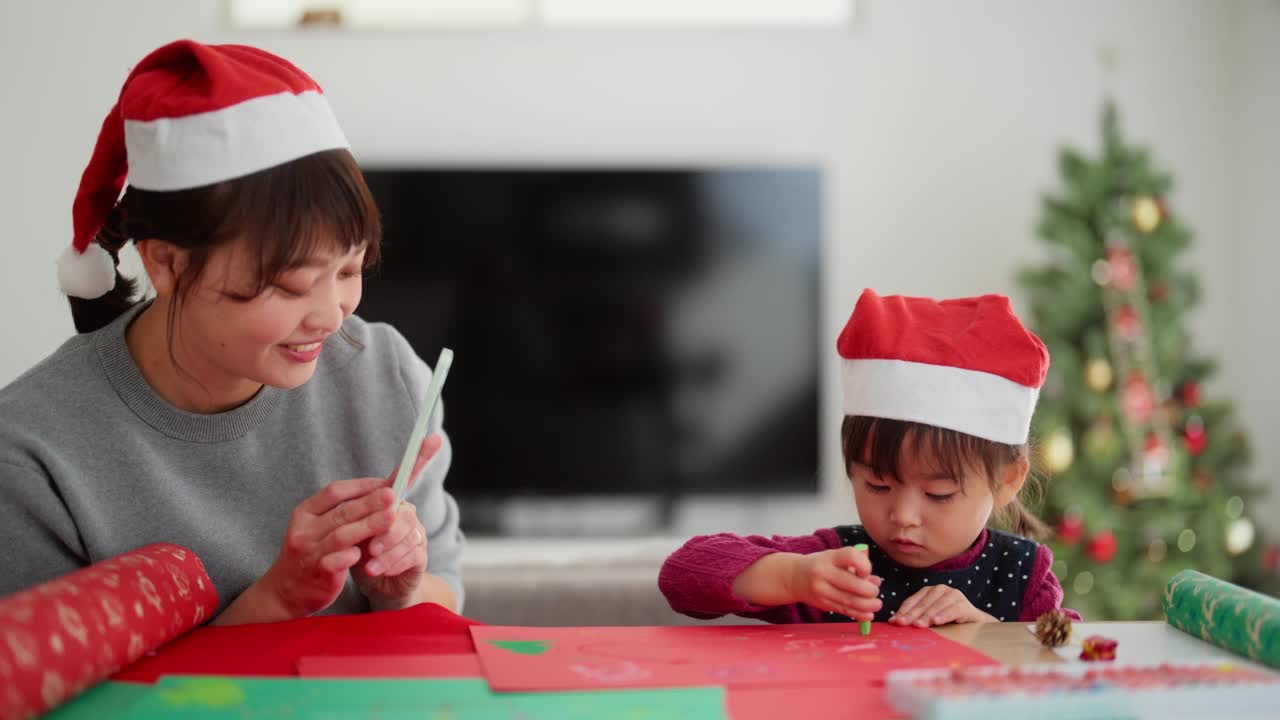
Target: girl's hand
395 561
938 605
322 543
837 581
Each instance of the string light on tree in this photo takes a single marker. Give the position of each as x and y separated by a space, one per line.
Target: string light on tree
1240 536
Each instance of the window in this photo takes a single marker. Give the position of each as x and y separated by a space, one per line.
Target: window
497 14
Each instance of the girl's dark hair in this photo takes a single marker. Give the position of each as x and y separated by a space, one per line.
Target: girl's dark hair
878 443
285 212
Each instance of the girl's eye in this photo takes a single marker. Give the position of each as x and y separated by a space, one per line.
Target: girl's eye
941 498
877 489
348 274
288 292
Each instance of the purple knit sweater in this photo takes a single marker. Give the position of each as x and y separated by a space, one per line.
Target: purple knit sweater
697 579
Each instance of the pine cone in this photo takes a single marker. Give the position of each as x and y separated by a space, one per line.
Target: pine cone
1053 628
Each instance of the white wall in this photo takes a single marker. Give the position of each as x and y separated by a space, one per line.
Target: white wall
1249 367
936 124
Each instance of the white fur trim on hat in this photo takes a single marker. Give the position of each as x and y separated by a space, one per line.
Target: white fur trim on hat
89 275
968 401
186 152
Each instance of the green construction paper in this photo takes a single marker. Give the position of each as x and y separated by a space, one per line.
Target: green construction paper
523 647
1229 616
107 701
208 698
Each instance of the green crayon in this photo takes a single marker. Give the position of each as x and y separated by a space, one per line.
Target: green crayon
865 626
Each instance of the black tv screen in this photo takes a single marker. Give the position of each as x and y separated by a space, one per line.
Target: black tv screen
618 332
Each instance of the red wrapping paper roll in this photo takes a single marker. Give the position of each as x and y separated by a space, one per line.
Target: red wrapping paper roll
60 638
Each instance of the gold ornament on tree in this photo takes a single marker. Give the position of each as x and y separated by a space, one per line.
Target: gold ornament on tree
1053 628
1146 213
1098 375
1058 451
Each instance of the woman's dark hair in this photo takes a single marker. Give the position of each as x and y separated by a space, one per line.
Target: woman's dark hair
285 212
878 443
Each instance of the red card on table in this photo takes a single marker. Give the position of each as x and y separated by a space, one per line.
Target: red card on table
820 655
390 666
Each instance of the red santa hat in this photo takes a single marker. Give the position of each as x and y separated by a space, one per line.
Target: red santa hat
191 115
966 364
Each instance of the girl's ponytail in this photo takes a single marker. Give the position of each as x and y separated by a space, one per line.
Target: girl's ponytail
90 315
1018 520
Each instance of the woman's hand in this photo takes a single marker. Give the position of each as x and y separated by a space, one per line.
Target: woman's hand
323 542
395 561
938 605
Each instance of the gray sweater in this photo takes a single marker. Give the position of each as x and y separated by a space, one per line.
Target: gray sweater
94 463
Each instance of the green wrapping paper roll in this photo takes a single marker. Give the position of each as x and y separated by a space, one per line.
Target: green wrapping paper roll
1229 616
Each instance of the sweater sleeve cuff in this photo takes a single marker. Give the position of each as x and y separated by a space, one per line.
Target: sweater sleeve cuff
1043 592
697 579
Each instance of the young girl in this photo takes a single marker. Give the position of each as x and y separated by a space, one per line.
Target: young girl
244 412
938 397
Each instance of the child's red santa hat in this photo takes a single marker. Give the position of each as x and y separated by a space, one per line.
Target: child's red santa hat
191 115
966 364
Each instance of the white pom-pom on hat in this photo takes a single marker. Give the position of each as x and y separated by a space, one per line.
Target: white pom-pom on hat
87 275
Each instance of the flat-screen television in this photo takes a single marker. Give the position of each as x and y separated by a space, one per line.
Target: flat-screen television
644 332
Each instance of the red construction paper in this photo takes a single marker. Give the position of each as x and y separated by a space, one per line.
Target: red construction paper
273 649
818 655
59 638
390 666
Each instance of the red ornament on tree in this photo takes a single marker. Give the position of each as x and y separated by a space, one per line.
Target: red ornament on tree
1102 547
1271 558
1194 436
1071 529
1190 393
1123 270
1126 324
1137 401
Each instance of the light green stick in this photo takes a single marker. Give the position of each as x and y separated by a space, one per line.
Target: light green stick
438 374
864 627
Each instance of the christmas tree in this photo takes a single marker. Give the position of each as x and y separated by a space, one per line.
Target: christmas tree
1145 475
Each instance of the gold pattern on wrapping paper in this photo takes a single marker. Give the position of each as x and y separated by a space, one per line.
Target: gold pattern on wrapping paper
148 589
73 624
52 689
115 613
179 580
135 647
199 614
111 580
55 644
137 608
22 648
